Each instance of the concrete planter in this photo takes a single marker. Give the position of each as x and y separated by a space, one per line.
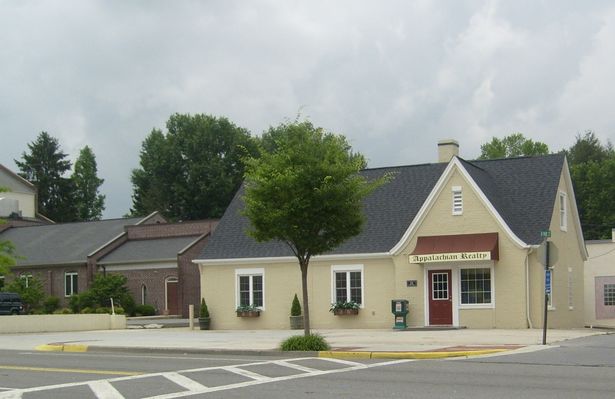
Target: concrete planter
204 323
296 322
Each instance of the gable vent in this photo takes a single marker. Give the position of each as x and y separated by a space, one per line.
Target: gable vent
457 200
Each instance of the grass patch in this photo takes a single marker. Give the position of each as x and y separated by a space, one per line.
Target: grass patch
312 342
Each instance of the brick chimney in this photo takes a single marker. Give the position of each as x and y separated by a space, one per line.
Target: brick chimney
447 149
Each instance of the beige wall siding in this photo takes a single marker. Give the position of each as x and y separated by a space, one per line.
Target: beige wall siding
568 291
509 271
599 265
283 280
27 202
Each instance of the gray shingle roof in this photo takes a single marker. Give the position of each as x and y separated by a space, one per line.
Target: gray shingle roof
63 243
523 191
148 250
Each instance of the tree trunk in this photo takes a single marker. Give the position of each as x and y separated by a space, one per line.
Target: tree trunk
306 307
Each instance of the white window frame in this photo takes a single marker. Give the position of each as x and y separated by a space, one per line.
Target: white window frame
347 269
250 273
457 200
563 210
26 277
490 305
604 294
73 276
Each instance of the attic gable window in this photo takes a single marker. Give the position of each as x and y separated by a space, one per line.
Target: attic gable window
457 200
563 211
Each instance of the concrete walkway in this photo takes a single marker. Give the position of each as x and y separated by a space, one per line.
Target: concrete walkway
184 340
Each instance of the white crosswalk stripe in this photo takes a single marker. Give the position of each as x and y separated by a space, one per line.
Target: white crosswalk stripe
103 389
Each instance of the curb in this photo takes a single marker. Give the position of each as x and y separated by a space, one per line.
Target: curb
77 348
407 355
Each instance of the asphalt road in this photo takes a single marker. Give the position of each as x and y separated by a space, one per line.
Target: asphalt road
583 368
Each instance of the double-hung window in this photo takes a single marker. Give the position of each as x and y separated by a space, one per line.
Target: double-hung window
347 283
476 288
250 287
71 283
563 211
26 278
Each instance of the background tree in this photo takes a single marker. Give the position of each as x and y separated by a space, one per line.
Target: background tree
592 169
192 171
306 193
45 166
514 145
88 202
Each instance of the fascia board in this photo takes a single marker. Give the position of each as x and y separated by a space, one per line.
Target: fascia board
287 259
573 204
429 202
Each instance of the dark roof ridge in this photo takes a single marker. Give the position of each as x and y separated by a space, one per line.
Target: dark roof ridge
78 222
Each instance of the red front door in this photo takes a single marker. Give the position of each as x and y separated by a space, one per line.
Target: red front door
440 298
172 305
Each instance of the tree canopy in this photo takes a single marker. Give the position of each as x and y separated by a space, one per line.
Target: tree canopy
193 170
88 201
514 145
307 192
45 166
592 169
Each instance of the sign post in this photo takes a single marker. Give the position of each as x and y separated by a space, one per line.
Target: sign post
546 234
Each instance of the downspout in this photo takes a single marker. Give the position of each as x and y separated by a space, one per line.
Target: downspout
527 288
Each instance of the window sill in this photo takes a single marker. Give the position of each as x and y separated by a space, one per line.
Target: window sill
477 306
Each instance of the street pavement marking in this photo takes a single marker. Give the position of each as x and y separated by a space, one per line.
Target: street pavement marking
294 366
77 371
246 373
104 390
185 382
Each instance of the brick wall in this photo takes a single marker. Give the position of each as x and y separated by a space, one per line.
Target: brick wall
163 230
154 280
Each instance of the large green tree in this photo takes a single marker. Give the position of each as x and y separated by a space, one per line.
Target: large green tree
592 169
45 166
307 192
193 170
514 145
89 202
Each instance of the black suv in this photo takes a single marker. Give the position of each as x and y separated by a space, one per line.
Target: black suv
10 303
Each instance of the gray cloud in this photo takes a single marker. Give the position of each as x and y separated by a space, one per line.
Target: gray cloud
393 76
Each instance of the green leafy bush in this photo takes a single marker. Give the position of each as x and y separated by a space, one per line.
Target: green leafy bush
119 310
51 304
63 311
203 311
344 305
103 288
103 310
295 308
88 310
145 310
247 308
312 342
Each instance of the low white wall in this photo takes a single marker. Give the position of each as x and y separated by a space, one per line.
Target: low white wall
61 322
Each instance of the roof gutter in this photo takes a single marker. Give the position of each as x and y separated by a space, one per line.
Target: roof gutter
286 259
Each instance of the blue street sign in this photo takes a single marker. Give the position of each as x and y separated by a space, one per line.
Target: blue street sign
547 281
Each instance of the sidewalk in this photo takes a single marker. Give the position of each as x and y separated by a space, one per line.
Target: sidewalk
352 342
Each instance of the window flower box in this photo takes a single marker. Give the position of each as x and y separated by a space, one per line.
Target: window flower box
248 311
346 312
350 308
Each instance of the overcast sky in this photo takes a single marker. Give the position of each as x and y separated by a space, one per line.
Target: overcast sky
393 76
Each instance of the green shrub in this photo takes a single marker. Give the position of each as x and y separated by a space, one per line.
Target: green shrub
119 310
145 310
88 310
103 310
295 308
63 311
313 342
203 312
51 304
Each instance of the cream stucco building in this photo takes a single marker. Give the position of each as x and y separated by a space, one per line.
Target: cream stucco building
600 283
458 239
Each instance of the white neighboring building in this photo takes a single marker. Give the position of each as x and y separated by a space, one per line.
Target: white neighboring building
600 283
20 200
